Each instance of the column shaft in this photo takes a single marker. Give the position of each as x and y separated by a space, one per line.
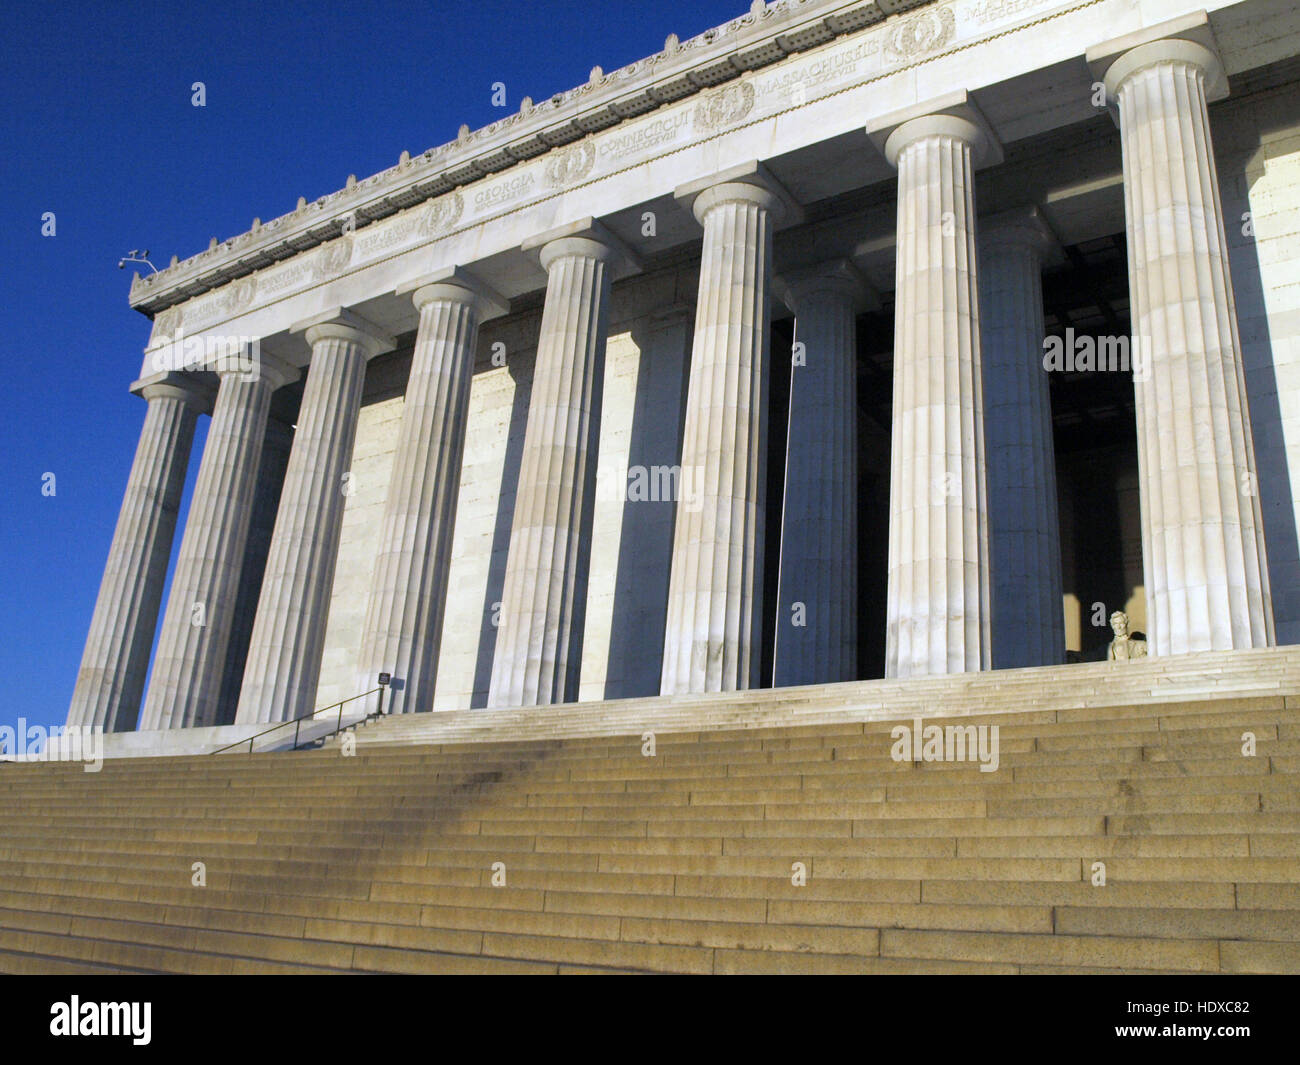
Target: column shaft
1202 531
277 444
408 591
185 687
116 657
938 611
817 632
284 651
1024 531
539 644
713 634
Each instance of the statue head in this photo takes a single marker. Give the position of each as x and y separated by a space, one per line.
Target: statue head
1119 623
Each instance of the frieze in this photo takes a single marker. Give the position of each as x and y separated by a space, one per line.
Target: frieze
650 135
386 235
277 280
832 68
571 164
996 10
920 34
441 214
166 324
334 257
725 106
507 191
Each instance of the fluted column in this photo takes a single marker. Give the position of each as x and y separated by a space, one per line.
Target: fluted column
185 686
543 603
1202 531
284 651
714 630
938 603
276 446
403 628
1024 532
116 657
817 609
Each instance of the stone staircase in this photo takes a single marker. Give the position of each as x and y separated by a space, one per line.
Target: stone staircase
686 860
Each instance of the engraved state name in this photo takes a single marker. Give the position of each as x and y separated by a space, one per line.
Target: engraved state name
660 131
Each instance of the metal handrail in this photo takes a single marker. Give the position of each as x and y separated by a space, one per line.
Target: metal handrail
297 722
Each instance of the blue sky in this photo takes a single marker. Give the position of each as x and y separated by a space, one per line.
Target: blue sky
96 126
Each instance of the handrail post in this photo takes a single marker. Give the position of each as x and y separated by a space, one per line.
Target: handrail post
297 729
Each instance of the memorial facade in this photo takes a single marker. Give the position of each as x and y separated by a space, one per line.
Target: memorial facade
845 340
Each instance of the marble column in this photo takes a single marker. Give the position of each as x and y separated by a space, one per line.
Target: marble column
276 446
938 612
284 652
1202 531
713 634
403 627
543 604
817 608
116 657
1024 532
185 686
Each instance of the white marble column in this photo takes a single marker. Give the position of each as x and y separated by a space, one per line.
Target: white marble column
1202 532
543 604
185 686
1024 532
284 651
276 445
938 611
116 657
403 627
713 634
817 608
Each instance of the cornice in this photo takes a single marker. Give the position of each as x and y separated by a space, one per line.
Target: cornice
765 35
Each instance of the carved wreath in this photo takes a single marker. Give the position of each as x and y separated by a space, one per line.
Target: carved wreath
570 164
729 104
923 32
335 256
442 214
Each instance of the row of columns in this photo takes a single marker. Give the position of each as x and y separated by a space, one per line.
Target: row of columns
972 477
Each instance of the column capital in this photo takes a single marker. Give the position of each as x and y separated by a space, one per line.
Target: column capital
584 237
189 388
793 287
1188 39
259 366
953 115
342 324
455 284
750 182
1018 227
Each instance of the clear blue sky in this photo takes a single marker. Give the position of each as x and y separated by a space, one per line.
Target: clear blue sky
96 125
